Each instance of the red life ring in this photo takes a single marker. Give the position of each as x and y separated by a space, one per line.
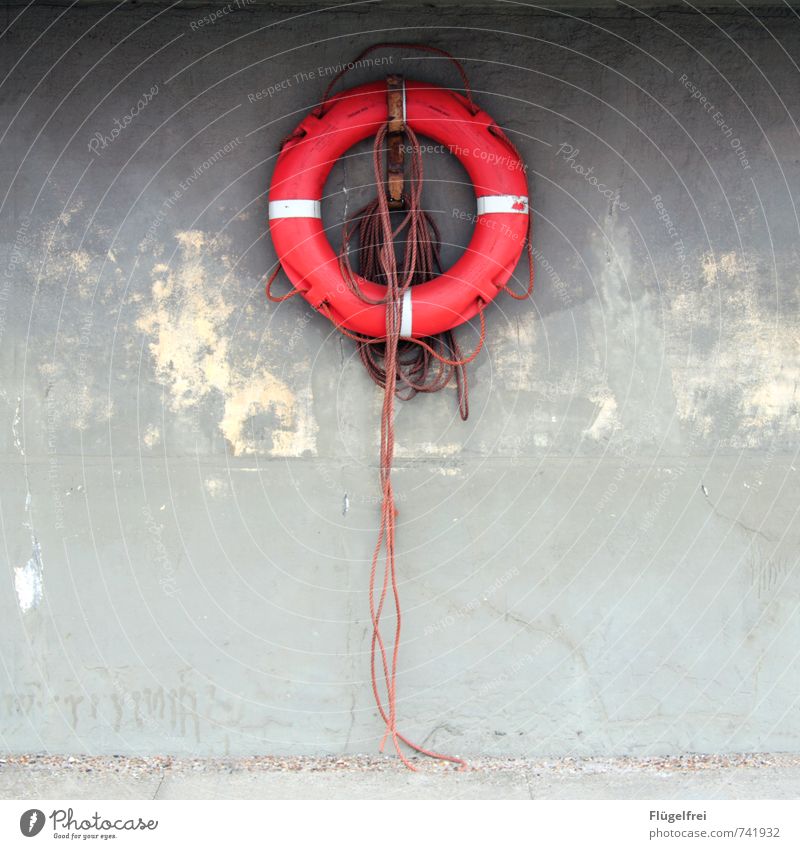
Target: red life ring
501 220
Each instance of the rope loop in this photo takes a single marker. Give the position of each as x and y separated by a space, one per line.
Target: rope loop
523 296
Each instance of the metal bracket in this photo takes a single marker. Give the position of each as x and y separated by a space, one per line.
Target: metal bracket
396 103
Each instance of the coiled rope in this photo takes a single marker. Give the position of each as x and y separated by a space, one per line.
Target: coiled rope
402 368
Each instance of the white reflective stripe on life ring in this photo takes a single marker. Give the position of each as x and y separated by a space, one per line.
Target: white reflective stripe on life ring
405 321
502 203
295 208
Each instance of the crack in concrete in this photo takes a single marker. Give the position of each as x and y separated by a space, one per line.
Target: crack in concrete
161 781
719 514
442 726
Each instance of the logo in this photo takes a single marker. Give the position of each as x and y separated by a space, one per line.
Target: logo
31 822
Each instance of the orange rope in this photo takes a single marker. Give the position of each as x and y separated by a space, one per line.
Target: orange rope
278 299
397 281
401 367
529 249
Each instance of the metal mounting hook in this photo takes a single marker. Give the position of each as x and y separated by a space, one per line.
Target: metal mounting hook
396 105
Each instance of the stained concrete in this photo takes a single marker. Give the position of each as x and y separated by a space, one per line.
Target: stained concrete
601 561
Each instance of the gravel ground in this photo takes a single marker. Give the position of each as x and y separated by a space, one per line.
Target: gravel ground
117 764
690 776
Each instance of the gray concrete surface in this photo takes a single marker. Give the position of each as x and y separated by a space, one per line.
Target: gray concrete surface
570 5
602 561
703 777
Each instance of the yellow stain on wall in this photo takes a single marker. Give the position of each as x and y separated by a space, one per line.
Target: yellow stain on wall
188 324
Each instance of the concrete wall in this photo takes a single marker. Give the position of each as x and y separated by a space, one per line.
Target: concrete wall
603 559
